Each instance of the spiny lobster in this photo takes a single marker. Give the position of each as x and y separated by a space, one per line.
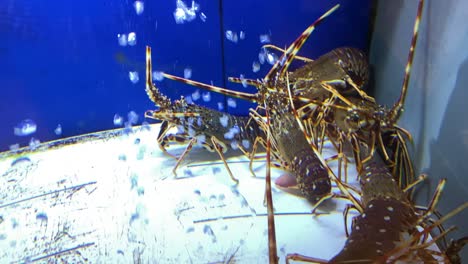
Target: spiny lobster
390 227
346 67
214 130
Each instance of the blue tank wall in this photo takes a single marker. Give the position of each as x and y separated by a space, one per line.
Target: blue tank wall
61 62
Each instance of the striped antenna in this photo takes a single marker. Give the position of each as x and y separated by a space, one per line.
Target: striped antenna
398 106
282 64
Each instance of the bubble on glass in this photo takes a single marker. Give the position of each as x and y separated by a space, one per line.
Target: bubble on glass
203 17
231 103
133 76
139 7
118 120
243 81
229 135
14 146
220 106
158 76
131 39
58 130
183 14
231 36
122 39
206 97
255 66
132 117
261 56
25 128
264 38
241 35
271 58
34 143
196 95
187 73
189 99
246 143
224 120
234 144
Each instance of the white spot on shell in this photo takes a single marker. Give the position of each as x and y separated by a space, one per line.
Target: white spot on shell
386 218
382 230
371 205
246 143
390 209
224 120
357 228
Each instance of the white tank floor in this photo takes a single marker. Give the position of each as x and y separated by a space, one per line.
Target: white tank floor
102 198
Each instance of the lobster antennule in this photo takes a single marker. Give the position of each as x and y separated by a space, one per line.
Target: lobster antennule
282 64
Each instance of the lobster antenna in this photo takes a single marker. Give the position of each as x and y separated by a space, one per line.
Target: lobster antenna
398 106
282 64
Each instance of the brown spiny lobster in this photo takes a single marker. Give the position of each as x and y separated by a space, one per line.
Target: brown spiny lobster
213 130
346 66
390 227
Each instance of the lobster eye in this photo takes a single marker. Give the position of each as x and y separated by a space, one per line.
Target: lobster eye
353 120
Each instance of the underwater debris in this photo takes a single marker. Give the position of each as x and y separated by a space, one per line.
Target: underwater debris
42 217
25 128
20 160
208 231
139 7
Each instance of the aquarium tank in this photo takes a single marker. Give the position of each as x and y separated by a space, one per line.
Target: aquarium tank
233 131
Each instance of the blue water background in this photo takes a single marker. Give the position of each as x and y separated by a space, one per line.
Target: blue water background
61 62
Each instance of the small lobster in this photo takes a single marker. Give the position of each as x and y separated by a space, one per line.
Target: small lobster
213 130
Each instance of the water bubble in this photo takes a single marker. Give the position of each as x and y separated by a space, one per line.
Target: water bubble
182 13
122 39
264 38
255 66
234 144
224 120
196 95
231 36
243 81
187 73
220 106
132 117
14 146
203 17
158 76
118 120
231 103
189 99
261 56
246 143
271 58
139 7
242 35
145 126
229 135
131 39
133 75
25 128
58 130
206 97
34 143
